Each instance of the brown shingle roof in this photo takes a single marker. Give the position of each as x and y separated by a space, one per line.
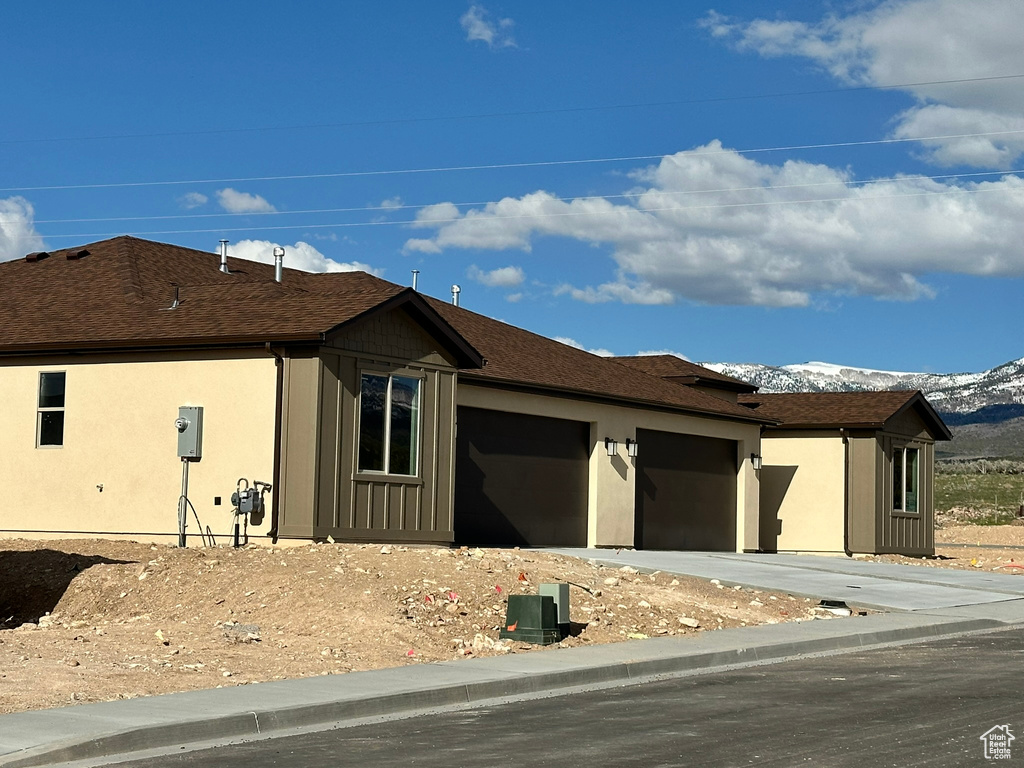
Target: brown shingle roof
869 410
517 356
121 292
683 371
119 296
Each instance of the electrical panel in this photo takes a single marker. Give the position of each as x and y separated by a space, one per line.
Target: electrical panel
190 431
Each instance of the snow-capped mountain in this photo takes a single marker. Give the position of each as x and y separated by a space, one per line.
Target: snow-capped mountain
948 392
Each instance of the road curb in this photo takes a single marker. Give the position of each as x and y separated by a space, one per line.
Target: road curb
502 677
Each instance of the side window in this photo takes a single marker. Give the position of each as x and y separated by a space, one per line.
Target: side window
389 424
906 479
50 409
910 485
897 479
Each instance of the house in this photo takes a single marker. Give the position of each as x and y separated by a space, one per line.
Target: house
848 472
842 472
376 414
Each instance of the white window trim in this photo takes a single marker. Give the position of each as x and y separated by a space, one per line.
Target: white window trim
40 410
385 472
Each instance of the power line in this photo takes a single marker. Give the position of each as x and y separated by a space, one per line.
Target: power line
564 199
620 210
504 166
523 113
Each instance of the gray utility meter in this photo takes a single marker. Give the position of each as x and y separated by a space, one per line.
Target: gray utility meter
190 431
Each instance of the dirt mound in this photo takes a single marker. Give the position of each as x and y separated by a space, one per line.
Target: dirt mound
86 620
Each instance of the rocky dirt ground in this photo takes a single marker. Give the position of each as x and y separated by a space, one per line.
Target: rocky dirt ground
997 548
95 620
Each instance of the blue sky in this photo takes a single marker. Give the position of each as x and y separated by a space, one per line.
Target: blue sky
753 189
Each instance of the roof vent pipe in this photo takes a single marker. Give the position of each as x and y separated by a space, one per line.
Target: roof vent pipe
456 290
415 279
278 263
224 257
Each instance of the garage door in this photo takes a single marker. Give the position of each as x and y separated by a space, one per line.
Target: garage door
685 492
520 480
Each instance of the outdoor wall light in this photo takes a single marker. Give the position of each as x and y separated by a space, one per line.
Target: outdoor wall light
631 448
612 446
755 459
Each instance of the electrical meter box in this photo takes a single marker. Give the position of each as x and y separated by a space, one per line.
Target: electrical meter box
190 431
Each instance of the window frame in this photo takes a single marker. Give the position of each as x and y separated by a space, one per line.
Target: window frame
417 443
903 451
42 409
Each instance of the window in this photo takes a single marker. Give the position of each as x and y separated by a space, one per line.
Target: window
389 424
905 479
50 414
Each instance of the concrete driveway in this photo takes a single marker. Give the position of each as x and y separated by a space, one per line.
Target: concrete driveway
865 583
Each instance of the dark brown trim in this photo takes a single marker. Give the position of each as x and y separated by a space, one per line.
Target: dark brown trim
710 383
278 410
831 425
156 345
572 394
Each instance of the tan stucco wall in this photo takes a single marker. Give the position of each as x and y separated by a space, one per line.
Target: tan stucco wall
612 493
804 479
119 433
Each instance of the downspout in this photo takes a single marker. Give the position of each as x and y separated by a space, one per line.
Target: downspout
278 410
846 491
760 449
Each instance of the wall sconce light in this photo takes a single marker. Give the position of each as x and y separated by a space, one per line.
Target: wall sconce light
755 459
631 448
612 446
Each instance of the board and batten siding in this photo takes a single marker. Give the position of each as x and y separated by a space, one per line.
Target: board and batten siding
325 494
874 527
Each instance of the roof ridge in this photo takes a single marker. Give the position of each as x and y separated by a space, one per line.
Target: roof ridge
132 279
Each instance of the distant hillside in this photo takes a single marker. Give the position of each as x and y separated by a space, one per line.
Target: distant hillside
984 410
984 440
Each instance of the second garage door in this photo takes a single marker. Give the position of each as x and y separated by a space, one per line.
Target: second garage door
520 480
685 492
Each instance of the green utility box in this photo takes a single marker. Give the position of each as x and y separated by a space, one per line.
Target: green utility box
531 619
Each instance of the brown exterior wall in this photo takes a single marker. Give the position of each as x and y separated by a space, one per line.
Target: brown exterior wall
325 494
874 527
902 532
863 492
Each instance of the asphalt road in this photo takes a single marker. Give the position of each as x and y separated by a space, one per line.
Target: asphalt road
915 705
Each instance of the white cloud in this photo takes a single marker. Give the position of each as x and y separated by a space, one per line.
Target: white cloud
621 290
504 277
233 201
714 226
601 352
514 298
653 352
391 203
916 41
477 24
301 256
18 234
192 200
